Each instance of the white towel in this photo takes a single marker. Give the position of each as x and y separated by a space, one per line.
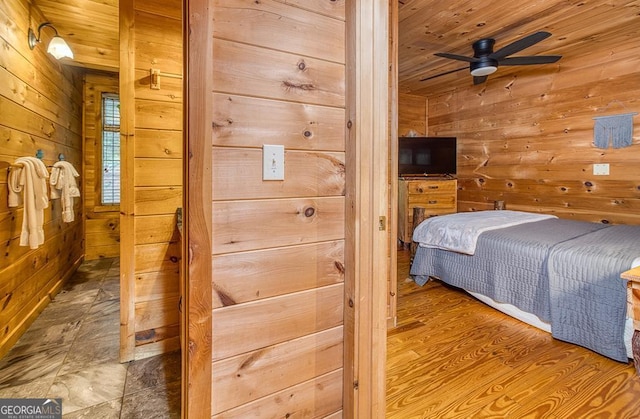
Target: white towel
64 186
30 179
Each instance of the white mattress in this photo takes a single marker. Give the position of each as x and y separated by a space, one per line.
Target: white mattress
535 321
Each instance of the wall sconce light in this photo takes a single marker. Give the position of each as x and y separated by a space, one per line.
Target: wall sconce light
57 46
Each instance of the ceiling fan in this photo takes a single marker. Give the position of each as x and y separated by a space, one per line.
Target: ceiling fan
485 61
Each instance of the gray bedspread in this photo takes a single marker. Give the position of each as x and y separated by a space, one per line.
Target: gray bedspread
511 266
588 298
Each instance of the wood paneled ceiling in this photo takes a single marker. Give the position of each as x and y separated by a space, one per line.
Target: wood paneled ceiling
90 27
577 27
425 27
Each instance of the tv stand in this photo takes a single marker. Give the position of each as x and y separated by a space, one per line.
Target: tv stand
437 195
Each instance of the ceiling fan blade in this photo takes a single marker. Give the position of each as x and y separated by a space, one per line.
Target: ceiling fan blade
456 57
479 79
444 74
520 44
538 59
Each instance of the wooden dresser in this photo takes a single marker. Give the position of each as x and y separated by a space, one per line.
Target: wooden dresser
437 196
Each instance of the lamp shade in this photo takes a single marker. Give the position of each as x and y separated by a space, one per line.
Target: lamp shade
59 48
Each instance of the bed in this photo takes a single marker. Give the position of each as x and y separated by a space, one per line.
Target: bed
560 275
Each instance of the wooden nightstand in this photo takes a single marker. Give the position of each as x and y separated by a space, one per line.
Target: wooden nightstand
436 196
633 276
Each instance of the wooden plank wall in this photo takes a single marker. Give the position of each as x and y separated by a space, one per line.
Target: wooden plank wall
278 246
40 108
527 139
412 115
102 223
152 177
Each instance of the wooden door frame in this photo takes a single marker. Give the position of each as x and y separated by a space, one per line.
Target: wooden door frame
196 263
366 244
367 216
127 165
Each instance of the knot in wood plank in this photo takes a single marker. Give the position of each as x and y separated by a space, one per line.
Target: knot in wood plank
298 86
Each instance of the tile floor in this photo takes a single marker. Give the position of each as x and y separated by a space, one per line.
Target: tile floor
71 352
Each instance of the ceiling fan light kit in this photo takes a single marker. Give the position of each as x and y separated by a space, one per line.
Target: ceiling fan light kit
484 67
485 61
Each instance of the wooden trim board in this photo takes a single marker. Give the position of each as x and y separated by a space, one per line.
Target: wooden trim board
197 235
127 221
367 240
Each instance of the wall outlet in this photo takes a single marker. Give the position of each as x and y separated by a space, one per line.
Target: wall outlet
601 169
272 162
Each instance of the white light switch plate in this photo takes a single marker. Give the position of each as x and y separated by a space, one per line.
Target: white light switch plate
272 162
601 169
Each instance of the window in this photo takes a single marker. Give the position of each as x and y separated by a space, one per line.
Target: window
110 191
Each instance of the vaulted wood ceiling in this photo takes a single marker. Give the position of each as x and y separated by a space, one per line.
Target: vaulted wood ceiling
430 26
425 27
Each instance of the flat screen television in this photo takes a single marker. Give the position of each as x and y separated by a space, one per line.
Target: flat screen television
427 156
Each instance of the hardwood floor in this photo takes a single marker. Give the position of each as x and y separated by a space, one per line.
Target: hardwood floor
451 356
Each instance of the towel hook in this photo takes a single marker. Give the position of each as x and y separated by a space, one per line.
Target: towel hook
61 157
40 154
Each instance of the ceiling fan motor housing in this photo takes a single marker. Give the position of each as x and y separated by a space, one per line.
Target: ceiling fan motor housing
483 65
483 47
